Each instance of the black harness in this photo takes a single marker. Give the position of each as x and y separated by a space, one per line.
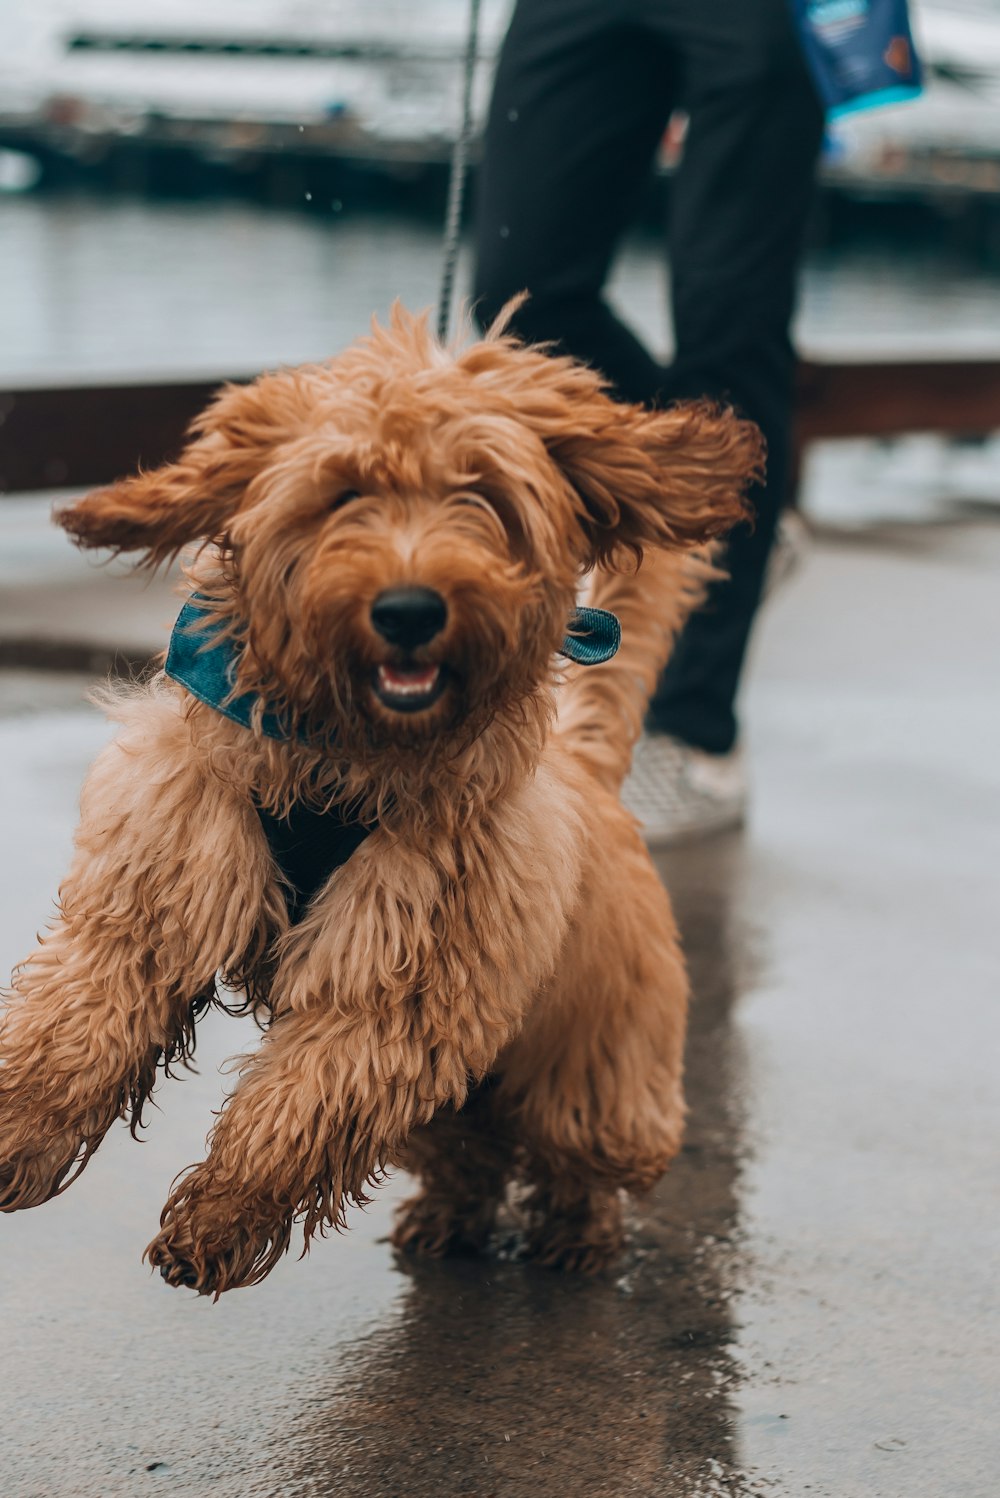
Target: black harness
308 845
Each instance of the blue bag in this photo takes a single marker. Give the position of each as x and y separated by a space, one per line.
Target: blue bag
860 52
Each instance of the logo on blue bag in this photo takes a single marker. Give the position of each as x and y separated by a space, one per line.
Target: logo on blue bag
860 52
828 15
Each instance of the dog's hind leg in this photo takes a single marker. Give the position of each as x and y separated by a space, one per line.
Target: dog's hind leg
595 1078
572 1223
167 886
463 1160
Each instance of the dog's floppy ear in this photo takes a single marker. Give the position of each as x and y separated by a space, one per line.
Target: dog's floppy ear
159 512
676 478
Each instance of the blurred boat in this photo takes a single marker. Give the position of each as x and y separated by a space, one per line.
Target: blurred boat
375 84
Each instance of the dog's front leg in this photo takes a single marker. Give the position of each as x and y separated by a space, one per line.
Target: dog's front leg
394 995
156 901
319 1112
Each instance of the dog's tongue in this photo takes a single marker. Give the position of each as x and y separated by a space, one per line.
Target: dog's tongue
408 678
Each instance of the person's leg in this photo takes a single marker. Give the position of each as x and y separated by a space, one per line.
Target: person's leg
580 101
738 212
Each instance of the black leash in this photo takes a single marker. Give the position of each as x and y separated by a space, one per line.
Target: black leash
457 177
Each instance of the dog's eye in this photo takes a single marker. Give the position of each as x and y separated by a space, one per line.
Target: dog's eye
476 502
493 509
343 498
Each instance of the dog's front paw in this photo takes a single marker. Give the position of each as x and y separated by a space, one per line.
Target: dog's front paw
32 1177
211 1269
191 1268
208 1244
177 1270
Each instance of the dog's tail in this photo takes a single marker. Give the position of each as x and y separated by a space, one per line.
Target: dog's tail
601 708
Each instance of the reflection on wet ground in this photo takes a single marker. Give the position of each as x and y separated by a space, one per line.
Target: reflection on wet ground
494 1378
807 1304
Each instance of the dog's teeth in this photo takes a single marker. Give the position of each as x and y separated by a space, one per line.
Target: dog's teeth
399 682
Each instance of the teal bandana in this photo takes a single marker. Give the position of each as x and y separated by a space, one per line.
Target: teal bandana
205 665
594 635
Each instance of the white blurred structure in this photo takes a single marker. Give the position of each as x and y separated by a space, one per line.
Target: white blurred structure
378 81
948 140
377 77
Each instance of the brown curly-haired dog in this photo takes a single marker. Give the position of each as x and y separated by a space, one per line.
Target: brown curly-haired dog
491 986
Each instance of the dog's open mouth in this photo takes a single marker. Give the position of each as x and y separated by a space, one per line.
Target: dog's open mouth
409 689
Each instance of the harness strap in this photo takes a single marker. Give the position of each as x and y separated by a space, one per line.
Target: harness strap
308 846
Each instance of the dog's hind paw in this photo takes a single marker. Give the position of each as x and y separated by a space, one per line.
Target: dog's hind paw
573 1257
585 1237
432 1228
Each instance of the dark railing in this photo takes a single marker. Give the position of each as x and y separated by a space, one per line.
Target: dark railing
74 437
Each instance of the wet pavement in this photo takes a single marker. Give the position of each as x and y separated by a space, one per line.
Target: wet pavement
808 1305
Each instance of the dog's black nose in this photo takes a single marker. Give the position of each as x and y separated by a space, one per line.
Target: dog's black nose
409 616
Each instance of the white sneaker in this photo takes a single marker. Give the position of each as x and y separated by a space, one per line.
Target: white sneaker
679 793
788 551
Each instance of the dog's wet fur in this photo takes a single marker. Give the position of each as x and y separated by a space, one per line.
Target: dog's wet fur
503 921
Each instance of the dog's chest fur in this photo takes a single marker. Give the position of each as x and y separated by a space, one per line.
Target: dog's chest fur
455 933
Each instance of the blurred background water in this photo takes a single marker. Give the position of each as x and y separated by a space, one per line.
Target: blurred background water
97 286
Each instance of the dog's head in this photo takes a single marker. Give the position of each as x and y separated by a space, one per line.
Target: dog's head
401 532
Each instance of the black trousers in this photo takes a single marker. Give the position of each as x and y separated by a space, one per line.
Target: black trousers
583 92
